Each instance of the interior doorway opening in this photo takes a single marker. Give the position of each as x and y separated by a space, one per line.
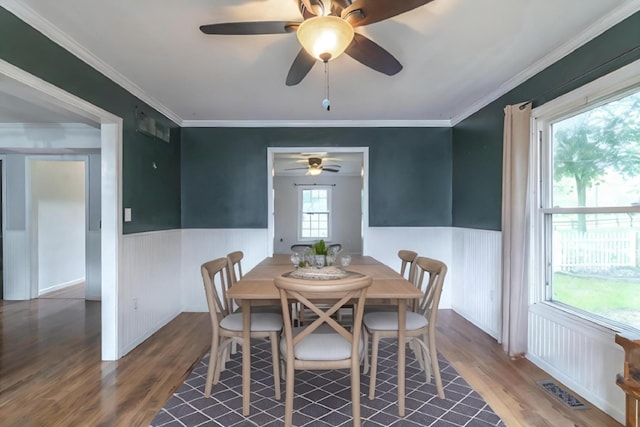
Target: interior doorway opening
52 98
344 175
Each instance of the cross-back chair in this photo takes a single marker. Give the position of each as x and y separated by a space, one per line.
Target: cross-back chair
227 324
323 343
420 325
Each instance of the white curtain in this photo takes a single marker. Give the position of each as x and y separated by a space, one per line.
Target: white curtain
515 226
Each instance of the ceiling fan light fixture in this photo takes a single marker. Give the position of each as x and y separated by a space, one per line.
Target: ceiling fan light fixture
325 37
315 170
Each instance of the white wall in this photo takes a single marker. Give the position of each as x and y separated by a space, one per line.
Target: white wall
150 289
58 222
17 259
201 245
578 353
477 290
346 210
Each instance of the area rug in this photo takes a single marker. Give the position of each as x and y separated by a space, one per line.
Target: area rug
322 398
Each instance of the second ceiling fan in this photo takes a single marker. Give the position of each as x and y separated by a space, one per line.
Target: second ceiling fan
356 13
316 168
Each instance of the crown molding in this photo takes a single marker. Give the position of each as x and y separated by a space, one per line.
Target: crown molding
315 123
607 21
32 18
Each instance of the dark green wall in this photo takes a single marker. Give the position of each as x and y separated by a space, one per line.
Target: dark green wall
477 141
418 176
224 173
152 193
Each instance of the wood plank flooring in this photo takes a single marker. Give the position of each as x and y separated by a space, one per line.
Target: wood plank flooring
51 373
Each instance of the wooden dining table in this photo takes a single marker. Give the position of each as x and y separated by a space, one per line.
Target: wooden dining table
257 287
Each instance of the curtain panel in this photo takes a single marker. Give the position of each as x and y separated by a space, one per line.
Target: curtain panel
515 228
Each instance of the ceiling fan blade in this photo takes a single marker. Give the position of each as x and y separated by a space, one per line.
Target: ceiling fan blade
300 67
251 28
369 53
312 7
379 10
296 169
332 166
330 170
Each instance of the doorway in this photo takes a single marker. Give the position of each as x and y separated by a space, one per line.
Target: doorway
345 177
58 196
43 94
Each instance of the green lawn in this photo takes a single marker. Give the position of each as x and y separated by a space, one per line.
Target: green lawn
618 300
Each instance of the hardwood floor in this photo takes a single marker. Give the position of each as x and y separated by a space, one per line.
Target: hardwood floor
70 292
508 386
51 373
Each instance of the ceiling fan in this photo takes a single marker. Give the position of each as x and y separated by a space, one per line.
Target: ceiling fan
316 168
355 13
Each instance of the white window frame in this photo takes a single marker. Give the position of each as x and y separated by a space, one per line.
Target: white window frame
601 91
301 190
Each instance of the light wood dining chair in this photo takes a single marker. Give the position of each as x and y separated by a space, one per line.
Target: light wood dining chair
420 325
227 325
407 270
324 343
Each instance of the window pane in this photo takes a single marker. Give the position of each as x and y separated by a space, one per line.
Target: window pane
595 264
596 156
314 226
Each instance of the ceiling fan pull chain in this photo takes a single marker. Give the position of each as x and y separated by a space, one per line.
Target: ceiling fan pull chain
325 102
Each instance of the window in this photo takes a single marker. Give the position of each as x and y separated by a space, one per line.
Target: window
315 213
588 220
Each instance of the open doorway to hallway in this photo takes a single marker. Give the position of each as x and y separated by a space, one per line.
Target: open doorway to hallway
23 88
335 176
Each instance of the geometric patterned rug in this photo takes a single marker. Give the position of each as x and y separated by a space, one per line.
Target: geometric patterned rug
322 398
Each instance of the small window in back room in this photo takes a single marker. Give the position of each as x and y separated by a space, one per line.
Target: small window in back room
314 213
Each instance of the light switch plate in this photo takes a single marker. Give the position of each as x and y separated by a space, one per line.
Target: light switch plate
127 214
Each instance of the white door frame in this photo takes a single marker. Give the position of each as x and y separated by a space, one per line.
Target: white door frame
270 199
111 188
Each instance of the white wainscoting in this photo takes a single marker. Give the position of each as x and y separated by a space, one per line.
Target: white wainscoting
16 264
578 353
477 282
201 245
150 288
383 243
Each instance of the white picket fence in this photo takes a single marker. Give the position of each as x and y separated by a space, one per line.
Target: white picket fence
593 249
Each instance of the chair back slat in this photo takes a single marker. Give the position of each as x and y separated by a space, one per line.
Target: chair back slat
435 272
216 288
408 262
234 267
234 273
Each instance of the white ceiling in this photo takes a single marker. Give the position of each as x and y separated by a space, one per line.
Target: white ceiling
20 103
458 55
